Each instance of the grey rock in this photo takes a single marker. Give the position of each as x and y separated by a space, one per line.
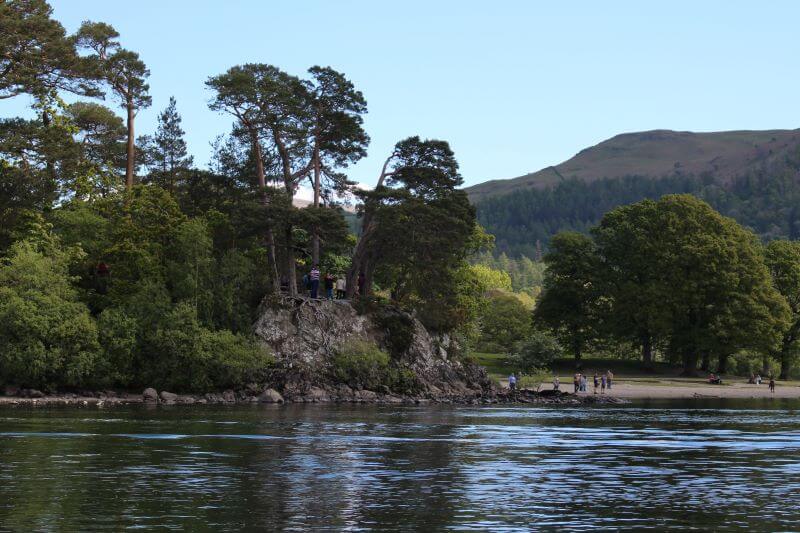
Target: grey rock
270 396
150 395
305 334
11 390
366 395
168 397
315 394
229 396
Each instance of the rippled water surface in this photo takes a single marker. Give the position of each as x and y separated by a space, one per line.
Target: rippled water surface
659 465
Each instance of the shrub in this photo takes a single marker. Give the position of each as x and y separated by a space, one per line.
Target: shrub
186 356
533 379
118 339
361 365
537 351
47 336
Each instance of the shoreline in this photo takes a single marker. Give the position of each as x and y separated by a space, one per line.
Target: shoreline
364 397
623 391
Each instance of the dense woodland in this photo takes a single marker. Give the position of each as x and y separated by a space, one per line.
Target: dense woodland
763 200
675 279
122 264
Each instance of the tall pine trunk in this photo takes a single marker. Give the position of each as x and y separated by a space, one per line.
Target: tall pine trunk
130 148
689 363
722 364
317 187
647 351
786 356
269 236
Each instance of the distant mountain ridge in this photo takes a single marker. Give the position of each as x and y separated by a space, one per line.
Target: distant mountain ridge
656 154
752 176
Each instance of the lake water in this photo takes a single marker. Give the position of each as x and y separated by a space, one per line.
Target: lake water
723 465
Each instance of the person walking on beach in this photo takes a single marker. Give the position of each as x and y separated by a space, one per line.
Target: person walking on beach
603 384
596 382
313 276
609 377
583 383
576 381
512 382
556 383
772 384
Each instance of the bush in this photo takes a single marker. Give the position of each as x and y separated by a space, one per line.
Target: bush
47 336
361 365
536 352
118 339
186 356
533 379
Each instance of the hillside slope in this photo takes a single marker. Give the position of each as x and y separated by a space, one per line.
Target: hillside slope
752 176
656 154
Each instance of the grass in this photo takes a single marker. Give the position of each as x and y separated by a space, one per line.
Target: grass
498 366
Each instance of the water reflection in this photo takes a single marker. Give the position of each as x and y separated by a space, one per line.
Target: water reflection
661 465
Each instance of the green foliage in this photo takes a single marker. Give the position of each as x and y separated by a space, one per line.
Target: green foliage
527 276
490 278
399 327
361 365
182 355
783 260
118 340
48 336
504 321
571 304
537 352
534 379
672 272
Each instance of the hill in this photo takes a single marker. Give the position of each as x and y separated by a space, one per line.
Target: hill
753 176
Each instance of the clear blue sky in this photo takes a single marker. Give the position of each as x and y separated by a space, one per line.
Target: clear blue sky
514 86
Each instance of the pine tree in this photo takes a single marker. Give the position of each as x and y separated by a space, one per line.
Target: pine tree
165 153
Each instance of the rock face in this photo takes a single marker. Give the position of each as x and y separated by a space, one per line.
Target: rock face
305 334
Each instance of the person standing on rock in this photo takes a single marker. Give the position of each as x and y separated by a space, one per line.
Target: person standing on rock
314 277
576 381
329 286
341 288
512 382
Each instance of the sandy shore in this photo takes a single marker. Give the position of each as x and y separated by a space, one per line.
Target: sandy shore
680 388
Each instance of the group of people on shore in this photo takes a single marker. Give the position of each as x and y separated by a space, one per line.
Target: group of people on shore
329 283
602 381
755 379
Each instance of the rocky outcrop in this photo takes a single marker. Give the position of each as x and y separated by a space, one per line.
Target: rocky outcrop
304 334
